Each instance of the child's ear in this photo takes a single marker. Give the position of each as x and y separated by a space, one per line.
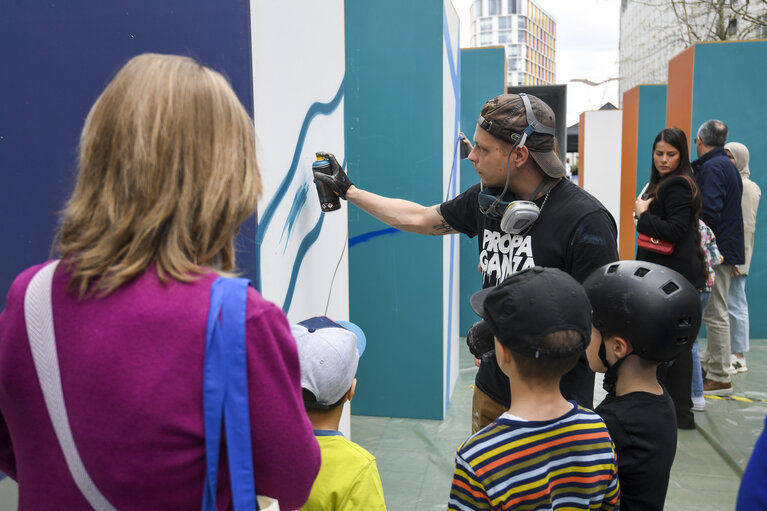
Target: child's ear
350 393
621 347
502 353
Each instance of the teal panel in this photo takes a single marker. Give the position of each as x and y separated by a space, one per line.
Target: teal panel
652 119
729 85
393 115
482 78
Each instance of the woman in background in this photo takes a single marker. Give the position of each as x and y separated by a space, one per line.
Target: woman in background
167 174
669 211
736 300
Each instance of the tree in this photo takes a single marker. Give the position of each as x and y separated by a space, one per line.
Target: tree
720 20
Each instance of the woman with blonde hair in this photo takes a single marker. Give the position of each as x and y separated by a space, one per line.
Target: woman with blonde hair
167 174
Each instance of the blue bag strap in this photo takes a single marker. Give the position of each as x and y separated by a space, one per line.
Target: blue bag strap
225 394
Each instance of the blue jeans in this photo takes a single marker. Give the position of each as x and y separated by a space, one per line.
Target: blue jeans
697 375
737 306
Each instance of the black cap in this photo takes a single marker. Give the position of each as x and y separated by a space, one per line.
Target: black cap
528 306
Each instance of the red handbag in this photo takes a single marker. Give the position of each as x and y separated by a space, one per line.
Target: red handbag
654 244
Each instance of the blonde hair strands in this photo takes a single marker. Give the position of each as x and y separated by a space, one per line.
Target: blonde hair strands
167 174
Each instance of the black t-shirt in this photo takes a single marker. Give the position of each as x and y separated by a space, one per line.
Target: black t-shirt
643 428
573 232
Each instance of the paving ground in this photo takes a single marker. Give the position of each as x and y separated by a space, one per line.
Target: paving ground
415 457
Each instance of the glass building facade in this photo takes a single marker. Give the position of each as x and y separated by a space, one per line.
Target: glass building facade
528 33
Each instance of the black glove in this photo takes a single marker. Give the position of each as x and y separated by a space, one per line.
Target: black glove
464 145
481 340
337 180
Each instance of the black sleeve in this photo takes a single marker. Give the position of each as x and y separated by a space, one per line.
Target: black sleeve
593 244
461 212
676 204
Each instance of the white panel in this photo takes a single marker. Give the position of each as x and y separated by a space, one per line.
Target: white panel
298 71
451 90
298 63
602 158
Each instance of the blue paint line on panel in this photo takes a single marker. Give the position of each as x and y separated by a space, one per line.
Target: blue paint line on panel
362 238
263 225
455 73
306 243
298 203
314 110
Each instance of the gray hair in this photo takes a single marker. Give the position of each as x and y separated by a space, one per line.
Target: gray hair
713 133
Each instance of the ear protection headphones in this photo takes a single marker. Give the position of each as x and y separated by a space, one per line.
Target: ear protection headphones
515 216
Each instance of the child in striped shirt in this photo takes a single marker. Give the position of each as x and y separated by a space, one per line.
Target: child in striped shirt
545 452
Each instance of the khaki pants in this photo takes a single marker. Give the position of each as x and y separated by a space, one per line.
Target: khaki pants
484 410
716 359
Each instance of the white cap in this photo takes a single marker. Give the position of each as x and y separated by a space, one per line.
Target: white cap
328 352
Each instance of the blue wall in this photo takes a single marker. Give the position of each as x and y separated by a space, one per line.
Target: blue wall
56 58
394 119
729 85
483 77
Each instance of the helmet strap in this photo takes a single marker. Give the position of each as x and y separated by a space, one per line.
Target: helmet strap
611 375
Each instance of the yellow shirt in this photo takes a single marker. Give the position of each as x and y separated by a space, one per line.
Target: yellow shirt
348 478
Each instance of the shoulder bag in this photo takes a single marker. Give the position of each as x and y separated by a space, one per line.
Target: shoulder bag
224 390
657 245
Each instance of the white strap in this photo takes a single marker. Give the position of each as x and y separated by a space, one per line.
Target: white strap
38 313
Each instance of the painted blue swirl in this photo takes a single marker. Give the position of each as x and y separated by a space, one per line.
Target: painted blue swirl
266 219
455 74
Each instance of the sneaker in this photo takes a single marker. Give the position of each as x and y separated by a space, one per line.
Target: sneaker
737 365
717 388
698 403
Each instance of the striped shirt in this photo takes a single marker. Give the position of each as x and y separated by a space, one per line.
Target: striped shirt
565 463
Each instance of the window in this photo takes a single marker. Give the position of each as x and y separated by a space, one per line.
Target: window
486 25
505 37
486 39
504 23
522 37
514 50
477 8
521 22
494 7
513 7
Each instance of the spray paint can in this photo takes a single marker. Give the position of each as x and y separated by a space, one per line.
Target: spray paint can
329 201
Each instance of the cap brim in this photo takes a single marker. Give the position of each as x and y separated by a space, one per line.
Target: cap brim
477 301
361 341
550 163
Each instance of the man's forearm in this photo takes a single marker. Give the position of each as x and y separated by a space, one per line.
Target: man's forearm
401 214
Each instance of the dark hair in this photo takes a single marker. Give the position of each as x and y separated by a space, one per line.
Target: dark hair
713 133
311 404
678 140
546 370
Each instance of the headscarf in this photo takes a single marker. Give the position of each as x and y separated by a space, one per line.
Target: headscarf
740 154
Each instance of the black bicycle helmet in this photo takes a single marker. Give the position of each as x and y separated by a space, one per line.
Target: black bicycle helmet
655 308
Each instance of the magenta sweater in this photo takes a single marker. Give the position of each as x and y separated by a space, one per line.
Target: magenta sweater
131 370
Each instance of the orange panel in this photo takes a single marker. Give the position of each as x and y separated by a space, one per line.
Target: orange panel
581 156
629 141
679 95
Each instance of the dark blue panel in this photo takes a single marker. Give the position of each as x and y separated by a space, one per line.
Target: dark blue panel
56 59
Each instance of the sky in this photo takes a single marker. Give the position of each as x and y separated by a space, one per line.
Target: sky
586 47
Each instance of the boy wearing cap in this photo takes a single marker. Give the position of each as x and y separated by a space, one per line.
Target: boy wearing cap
643 314
329 352
544 452
523 213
